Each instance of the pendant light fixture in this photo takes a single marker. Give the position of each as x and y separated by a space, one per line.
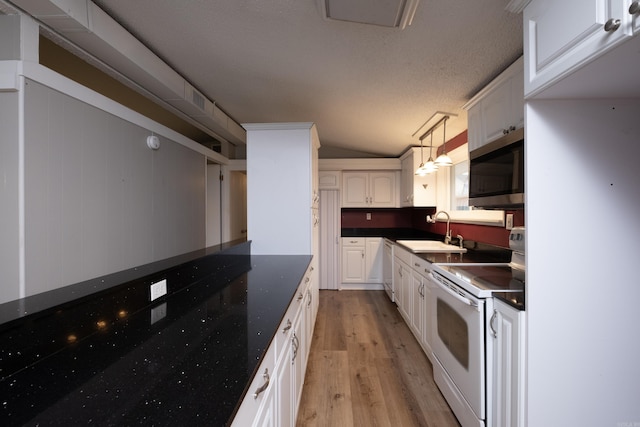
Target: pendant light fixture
430 166
421 171
443 159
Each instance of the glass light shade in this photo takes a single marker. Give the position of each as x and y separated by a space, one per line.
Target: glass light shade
430 166
443 160
421 171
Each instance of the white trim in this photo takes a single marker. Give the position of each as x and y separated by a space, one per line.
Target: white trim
22 283
360 164
361 287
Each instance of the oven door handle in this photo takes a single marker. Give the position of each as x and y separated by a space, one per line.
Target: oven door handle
457 296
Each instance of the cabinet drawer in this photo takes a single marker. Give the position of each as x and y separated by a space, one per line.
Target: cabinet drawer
353 241
421 266
288 320
404 255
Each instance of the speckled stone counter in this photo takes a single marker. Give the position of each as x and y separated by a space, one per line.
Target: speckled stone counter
114 358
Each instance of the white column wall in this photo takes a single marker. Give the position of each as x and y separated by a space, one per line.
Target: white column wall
9 201
582 204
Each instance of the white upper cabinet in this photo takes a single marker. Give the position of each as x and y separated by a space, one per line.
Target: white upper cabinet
416 190
498 108
329 180
562 36
369 190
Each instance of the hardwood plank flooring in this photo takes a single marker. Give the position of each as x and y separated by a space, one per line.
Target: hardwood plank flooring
367 369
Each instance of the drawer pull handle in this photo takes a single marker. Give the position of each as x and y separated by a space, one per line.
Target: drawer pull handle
264 386
612 25
634 8
286 328
300 296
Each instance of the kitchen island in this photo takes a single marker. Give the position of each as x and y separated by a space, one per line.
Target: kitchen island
113 357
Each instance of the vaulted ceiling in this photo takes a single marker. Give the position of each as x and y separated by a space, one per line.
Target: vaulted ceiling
370 89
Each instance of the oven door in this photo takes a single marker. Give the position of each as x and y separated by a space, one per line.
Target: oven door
459 345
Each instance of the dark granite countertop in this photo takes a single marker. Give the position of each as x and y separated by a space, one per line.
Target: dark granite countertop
114 358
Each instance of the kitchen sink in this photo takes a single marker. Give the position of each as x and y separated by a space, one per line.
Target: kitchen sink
426 246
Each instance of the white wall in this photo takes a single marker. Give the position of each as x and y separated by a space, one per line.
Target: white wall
214 220
96 199
583 172
9 207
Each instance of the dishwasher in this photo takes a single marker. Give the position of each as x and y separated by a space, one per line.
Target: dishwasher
387 269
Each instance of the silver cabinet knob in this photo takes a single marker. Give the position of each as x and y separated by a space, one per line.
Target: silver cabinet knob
634 9
612 25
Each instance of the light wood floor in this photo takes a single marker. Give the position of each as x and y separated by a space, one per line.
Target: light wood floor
366 368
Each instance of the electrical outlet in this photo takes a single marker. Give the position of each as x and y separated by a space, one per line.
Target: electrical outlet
158 313
158 289
509 221
368 216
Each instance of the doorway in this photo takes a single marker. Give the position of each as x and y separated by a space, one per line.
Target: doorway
329 239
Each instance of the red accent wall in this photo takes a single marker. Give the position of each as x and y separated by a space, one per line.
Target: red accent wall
416 218
454 142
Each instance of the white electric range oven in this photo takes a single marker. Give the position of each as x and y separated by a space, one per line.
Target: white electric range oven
463 310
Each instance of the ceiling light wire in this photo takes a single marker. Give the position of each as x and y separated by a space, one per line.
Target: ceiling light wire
443 159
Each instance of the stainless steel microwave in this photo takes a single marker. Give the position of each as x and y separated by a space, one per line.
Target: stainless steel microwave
496 172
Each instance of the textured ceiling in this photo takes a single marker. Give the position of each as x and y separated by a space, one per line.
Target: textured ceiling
368 88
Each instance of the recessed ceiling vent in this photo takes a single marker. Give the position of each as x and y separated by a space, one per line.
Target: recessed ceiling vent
386 13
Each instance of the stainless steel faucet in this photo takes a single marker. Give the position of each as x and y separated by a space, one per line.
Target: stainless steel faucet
447 236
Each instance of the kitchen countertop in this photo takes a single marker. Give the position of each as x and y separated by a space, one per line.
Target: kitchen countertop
113 358
477 252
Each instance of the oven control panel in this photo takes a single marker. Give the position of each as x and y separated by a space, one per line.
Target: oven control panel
516 239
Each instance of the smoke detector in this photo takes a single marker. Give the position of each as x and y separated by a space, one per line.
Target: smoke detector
386 13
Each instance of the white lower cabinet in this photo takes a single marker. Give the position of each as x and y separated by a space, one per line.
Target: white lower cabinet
258 406
421 271
290 374
417 305
402 282
362 260
275 392
414 299
507 330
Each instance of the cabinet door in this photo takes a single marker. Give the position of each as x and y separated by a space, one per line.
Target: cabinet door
404 286
427 316
416 309
474 120
382 189
507 330
561 36
267 416
517 100
425 190
406 181
298 364
353 264
397 279
496 111
285 386
373 260
355 189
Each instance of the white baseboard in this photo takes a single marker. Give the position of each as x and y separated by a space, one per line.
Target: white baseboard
361 287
